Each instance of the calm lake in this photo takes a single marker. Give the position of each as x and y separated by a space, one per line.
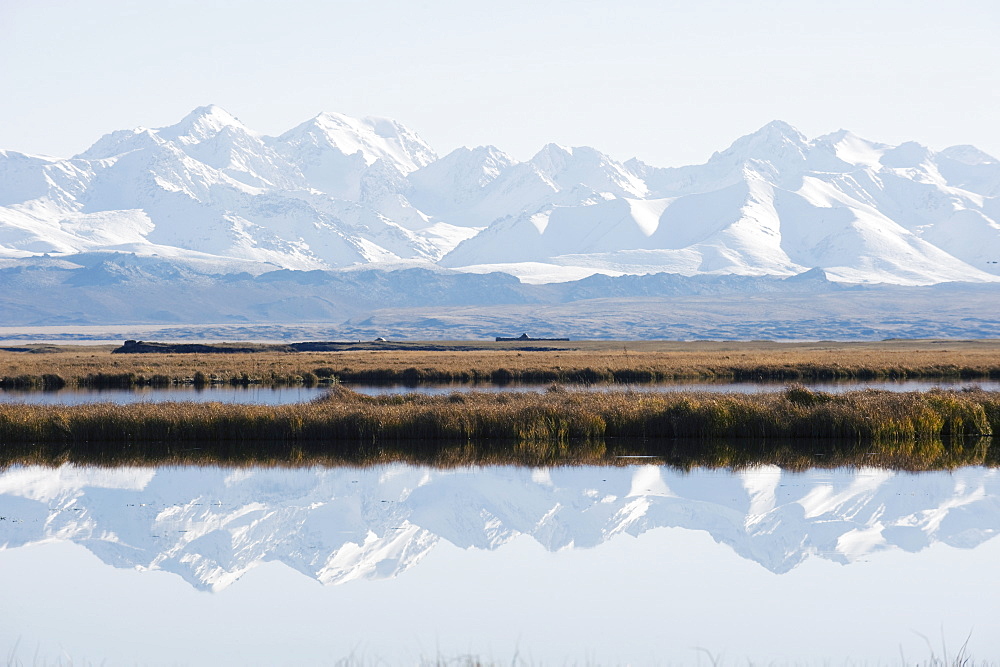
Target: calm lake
283 395
573 565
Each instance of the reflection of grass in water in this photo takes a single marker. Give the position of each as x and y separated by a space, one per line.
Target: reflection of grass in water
794 428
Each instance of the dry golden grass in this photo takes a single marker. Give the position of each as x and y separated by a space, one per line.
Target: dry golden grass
908 430
628 361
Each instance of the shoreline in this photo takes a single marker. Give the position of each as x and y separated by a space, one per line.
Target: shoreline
412 363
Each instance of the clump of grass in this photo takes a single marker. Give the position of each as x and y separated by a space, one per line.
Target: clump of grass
110 381
801 395
45 382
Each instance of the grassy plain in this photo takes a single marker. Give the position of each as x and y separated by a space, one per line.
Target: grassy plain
583 361
795 427
791 427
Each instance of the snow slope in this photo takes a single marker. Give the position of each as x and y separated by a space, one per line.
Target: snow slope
337 191
775 203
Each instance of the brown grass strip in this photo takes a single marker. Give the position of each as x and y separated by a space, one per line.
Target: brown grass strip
605 361
910 430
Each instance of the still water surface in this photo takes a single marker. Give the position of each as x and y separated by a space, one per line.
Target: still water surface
573 565
284 395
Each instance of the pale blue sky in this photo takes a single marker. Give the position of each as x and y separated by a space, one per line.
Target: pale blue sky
669 82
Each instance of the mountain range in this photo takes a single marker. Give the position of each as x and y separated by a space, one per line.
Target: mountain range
212 525
338 192
115 296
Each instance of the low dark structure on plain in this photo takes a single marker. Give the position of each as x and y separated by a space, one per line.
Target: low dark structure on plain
522 338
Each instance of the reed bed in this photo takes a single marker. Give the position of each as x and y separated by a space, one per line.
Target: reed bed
908 430
573 362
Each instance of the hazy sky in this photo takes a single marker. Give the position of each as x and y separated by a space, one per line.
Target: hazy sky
669 82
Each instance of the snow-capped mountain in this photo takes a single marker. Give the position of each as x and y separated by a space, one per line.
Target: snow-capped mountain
337 191
210 186
775 203
211 525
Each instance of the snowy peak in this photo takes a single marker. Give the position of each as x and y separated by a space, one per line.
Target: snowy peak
776 142
908 155
483 164
372 138
213 136
462 171
971 169
22 177
209 136
777 152
851 150
776 132
201 124
552 158
969 155
585 167
334 151
449 187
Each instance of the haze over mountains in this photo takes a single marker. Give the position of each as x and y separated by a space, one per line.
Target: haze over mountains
339 219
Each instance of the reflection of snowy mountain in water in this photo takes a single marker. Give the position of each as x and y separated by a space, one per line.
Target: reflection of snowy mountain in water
211 525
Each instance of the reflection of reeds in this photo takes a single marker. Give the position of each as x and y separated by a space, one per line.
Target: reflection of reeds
916 430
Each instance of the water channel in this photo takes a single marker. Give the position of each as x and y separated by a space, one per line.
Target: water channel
637 564
283 395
